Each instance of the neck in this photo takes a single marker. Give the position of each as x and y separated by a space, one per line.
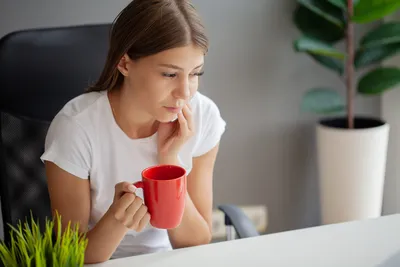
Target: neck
134 121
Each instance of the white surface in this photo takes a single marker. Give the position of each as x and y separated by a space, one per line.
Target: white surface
369 243
351 172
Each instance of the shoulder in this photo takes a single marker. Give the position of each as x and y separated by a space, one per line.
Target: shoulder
81 104
209 123
73 125
79 112
204 106
76 117
68 141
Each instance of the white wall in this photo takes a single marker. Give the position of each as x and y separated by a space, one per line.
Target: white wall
391 112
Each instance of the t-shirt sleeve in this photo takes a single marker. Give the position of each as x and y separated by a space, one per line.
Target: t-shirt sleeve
68 146
212 127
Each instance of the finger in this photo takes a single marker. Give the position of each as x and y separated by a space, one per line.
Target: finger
123 187
183 127
143 222
139 216
123 203
131 211
188 116
126 200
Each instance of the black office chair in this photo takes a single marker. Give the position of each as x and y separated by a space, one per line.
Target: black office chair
40 71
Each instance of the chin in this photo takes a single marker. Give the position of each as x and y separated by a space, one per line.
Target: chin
167 117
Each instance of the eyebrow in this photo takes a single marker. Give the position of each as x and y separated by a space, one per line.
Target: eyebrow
176 67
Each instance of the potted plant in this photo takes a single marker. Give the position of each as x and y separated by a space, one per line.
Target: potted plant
351 149
31 247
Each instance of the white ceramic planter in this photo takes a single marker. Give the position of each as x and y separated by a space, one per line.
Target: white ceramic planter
351 164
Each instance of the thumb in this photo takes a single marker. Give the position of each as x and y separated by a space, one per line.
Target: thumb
122 188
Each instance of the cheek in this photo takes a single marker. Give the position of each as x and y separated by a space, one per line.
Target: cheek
193 87
159 89
150 84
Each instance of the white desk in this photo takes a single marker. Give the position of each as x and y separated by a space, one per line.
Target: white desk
369 243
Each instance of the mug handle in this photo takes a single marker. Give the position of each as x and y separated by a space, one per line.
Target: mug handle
139 184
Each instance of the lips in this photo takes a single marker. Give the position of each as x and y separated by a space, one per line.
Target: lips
177 108
174 109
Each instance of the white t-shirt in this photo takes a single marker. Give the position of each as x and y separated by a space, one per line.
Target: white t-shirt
84 140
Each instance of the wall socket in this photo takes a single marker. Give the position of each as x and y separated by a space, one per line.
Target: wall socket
258 214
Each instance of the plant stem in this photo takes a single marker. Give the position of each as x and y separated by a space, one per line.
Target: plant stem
350 65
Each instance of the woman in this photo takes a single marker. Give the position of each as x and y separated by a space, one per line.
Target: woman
144 110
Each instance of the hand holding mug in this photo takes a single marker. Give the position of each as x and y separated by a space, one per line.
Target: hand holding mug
128 209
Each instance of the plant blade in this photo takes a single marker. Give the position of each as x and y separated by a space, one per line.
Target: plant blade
330 63
371 10
326 10
29 246
322 101
315 26
387 33
374 55
313 46
342 3
379 80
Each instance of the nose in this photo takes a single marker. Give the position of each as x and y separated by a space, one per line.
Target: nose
183 90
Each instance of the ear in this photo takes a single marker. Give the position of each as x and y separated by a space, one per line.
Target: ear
123 65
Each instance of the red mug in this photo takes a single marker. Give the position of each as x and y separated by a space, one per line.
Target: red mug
164 191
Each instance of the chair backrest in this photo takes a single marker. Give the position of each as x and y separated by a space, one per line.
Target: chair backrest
40 71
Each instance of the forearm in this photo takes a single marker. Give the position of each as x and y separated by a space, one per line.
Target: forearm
104 238
193 229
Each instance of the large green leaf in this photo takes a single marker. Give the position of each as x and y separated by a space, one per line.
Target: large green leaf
313 25
313 46
372 10
374 55
379 80
322 101
384 34
342 3
330 63
326 10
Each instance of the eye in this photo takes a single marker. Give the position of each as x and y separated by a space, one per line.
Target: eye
198 73
169 75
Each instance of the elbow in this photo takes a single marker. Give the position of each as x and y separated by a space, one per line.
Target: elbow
94 260
203 239
206 238
193 241
91 258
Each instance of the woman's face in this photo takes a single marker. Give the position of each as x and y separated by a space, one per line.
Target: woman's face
163 83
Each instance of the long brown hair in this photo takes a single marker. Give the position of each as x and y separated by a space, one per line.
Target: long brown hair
147 27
